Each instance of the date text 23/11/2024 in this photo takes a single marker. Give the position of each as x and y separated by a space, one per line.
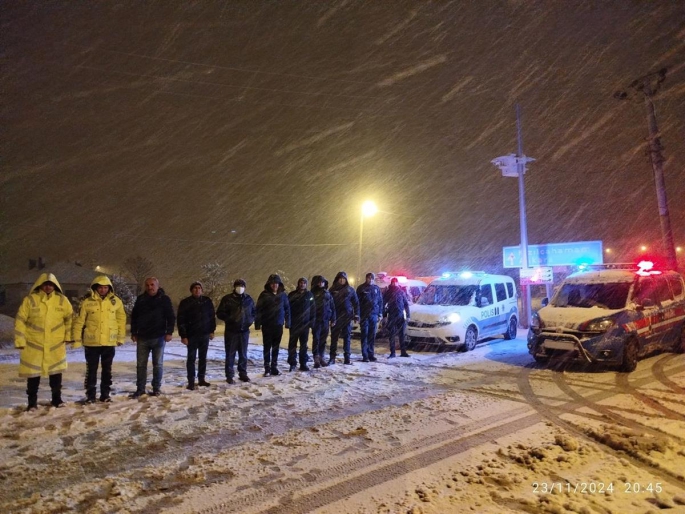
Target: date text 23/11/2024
596 487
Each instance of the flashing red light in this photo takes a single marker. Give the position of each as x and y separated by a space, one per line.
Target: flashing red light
646 268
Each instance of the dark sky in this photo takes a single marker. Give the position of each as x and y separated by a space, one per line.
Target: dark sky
191 132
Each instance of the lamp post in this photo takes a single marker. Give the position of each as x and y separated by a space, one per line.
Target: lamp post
368 209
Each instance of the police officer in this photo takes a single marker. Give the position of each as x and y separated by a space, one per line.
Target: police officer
370 308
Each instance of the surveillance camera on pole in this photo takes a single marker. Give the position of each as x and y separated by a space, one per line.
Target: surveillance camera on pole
509 164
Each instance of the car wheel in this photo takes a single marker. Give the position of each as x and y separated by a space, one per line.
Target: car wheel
629 356
470 339
679 346
541 359
511 329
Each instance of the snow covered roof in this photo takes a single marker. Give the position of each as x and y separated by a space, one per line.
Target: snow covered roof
601 277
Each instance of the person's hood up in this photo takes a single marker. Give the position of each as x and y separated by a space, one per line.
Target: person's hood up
46 277
339 275
318 278
101 280
274 279
302 279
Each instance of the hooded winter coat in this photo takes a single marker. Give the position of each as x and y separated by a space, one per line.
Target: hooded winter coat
344 298
302 308
273 309
41 328
325 310
101 321
152 316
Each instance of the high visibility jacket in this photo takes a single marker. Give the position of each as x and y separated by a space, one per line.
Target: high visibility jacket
101 321
41 328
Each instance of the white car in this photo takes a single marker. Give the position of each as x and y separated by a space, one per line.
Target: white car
458 310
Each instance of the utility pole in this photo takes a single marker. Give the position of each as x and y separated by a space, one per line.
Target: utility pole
515 166
649 85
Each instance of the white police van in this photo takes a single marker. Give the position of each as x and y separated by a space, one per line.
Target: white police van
612 316
458 310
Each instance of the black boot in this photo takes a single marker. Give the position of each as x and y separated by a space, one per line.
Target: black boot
56 388
331 361
317 362
293 367
347 359
33 402
304 367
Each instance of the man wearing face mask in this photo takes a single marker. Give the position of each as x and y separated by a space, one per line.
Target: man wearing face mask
273 311
237 310
371 308
101 326
303 316
196 325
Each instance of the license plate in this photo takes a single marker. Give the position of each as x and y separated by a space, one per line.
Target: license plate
559 345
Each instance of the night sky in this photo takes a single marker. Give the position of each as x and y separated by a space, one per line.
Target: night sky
249 133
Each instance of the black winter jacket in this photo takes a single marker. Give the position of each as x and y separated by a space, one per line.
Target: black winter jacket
273 310
237 311
196 317
370 300
345 299
302 309
152 316
325 310
396 304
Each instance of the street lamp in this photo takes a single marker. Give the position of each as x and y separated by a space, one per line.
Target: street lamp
368 209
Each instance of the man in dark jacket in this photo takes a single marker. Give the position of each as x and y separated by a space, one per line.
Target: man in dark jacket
397 311
196 325
273 311
346 310
370 308
152 323
325 318
237 310
303 316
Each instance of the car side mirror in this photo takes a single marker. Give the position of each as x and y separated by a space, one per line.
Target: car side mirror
645 302
545 302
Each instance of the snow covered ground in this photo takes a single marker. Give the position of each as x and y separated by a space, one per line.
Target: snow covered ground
486 431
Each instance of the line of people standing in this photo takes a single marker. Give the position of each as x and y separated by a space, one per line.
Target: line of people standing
45 324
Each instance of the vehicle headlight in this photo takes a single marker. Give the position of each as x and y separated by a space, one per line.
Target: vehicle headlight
535 322
598 325
449 318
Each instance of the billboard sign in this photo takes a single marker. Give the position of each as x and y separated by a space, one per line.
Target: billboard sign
555 254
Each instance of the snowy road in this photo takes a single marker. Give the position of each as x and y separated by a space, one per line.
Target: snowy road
486 431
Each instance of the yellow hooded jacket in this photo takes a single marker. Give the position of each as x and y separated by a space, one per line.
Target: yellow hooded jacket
41 328
104 318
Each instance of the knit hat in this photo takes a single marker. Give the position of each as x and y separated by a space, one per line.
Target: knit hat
394 280
196 283
239 282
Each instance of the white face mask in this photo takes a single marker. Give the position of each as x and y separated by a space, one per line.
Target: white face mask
240 289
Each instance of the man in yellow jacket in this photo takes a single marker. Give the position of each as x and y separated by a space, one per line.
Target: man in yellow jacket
41 330
101 327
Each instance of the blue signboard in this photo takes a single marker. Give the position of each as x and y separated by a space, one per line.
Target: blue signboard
555 254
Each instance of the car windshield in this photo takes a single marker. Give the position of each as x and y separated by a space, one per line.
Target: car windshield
605 296
447 295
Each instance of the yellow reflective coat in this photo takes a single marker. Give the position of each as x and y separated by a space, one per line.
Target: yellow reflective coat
41 328
101 321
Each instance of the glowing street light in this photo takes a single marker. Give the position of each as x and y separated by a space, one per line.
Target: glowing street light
643 248
368 209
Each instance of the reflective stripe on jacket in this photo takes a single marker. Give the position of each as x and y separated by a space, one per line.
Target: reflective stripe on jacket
42 326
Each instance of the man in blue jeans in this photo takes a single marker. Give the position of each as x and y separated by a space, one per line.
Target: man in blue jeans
152 323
